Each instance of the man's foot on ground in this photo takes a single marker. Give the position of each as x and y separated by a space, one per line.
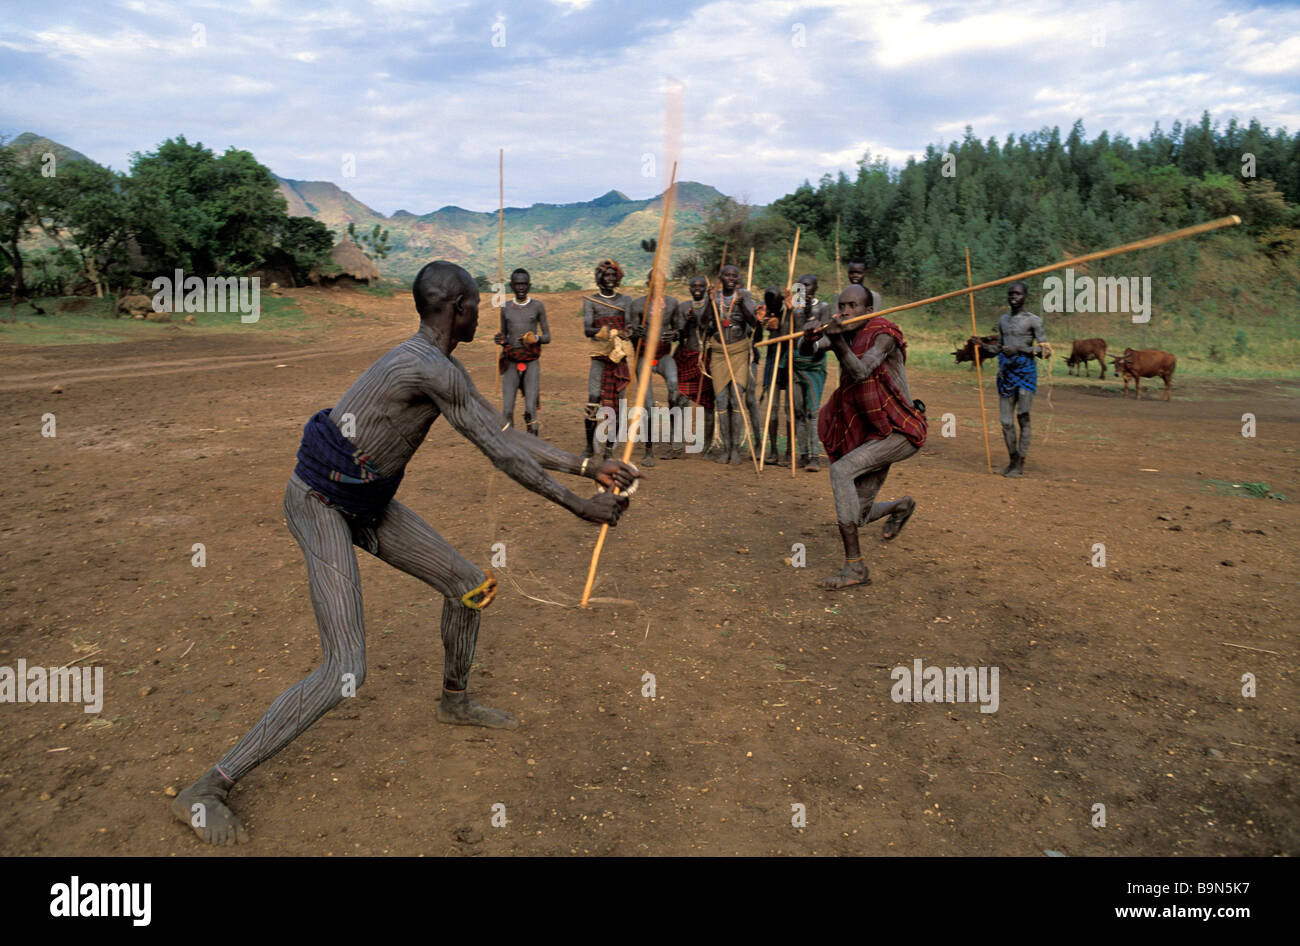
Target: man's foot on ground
648 460
214 822
1017 468
853 573
814 465
460 710
1011 465
894 524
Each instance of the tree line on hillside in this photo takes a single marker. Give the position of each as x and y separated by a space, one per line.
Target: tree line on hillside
72 223
1025 202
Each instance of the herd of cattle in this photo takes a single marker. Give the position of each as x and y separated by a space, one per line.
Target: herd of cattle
1134 364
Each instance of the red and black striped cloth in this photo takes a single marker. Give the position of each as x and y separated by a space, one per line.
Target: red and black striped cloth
870 409
691 381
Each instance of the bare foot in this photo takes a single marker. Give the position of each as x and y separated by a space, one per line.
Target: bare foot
894 524
203 807
853 573
457 709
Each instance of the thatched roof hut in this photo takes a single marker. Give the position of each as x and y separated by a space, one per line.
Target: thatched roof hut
348 266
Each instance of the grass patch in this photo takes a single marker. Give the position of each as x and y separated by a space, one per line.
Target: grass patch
1244 488
81 321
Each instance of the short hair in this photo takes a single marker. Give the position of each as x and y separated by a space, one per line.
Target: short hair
774 300
857 262
703 279
1011 286
609 266
522 271
812 276
441 282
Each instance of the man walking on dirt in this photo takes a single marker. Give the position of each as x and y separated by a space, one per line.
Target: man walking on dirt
869 423
1021 335
350 463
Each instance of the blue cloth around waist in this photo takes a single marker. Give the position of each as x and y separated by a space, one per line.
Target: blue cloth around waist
341 474
1016 371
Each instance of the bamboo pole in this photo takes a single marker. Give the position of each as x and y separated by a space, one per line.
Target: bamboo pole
979 374
749 276
1144 244
789 379
655 307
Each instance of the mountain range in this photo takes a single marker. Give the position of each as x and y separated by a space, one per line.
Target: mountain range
557 243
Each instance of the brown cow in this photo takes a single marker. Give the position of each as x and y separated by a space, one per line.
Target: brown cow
1145 363
1085 349
988 345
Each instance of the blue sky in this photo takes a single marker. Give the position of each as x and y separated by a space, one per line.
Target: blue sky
423 94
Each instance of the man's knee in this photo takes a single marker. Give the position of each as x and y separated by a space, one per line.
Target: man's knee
1023 418
592 411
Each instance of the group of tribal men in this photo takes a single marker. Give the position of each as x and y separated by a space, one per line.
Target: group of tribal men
705 354
353 456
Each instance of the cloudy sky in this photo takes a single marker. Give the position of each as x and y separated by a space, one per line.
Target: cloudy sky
422 94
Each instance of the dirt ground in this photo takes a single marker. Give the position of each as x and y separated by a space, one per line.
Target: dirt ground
1119 685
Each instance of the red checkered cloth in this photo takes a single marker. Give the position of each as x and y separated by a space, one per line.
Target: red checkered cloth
691 381
871 409
617 376
518 355
613 382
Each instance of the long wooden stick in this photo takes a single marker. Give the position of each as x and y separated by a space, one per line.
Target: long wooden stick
839 277
749 276
789 385
979 375
655 307
1144 244
501 224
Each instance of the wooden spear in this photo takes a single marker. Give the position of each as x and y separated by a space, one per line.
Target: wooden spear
979 375
839 276
655 308
1143 244
789 380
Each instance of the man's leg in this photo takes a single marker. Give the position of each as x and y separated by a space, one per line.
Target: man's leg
866 466
594 377
410 544
1024 401
335 581
1007 416
723 406
667 368
532 391
509 388
801 421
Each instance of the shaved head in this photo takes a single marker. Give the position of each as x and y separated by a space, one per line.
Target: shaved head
440 283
